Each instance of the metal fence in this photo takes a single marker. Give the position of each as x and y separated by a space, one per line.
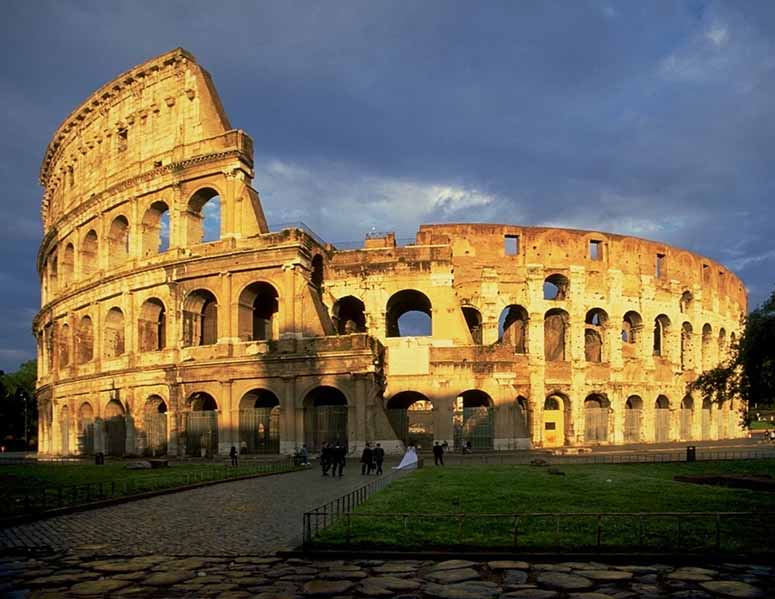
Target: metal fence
602 532
329 513
678 455
35 500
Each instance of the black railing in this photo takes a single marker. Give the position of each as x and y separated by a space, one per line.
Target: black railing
14 502
602 532
329 513
650 457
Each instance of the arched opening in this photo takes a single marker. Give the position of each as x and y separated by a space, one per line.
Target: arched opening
89 254
411 415
556 287
349 315
685 303
317 273
594 334
513 327
68 264
474 323
632 324
707 346
85 429
118 246
662 419
65 339
706 419
114 333
633 418
201 425
155 425
722 420
156 229
200 318
152 326
555 422
52 268
115 428
204 217
556 335
521 418
722 344
259 422
597 410
258 307
409 314
64 430
687 410
325 417
661 331
84 341
687 347
473 420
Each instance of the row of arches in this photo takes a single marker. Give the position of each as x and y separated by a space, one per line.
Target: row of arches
408 313
258 424
599 420
83 257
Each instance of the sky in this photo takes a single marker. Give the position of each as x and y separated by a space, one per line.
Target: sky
653 119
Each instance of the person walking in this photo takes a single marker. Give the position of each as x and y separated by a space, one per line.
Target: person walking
234 456
304 455
366 460
438 454
339 457
379 457
325 458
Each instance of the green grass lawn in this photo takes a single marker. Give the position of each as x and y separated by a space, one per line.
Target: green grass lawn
38 486
525 489
761 425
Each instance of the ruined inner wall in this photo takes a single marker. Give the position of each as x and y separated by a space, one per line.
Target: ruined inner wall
610 283
142 310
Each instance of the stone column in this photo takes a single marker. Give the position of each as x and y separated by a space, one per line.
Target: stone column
226 332
288 417
442 419
226 433
357 432
173 417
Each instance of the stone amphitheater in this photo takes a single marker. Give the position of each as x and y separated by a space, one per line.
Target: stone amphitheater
174 321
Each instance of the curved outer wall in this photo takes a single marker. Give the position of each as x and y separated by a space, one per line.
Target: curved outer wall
130 322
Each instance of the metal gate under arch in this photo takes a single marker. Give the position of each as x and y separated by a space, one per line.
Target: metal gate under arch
661 425
476 425
324 424
686 423
115 436
201 433
156 433
632 424
86 438
413 426
259 430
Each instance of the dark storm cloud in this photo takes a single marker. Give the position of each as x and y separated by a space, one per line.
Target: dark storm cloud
652 119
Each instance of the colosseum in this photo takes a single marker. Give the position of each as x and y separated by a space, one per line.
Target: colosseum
174 321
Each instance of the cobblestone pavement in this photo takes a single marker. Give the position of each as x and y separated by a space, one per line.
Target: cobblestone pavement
87 573
235 518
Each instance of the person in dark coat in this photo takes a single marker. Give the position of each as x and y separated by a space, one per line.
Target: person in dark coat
379 457
367 460
234 456
438 454
325 458
339 454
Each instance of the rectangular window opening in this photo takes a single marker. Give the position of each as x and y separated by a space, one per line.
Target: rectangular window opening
511 245
706 273
595 249
123 139
660 270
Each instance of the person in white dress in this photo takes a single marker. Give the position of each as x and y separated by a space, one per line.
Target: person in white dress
409 460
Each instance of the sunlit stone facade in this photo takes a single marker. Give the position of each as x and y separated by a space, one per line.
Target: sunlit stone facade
174 321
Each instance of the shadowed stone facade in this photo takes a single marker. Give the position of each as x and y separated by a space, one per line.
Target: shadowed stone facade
173 321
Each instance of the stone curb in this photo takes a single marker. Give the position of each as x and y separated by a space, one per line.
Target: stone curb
82 507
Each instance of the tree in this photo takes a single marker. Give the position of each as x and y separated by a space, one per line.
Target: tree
749 373
18 408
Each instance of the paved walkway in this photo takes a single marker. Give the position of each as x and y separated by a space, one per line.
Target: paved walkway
78 574
237 518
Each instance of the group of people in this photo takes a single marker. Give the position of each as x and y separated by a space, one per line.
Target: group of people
332 457
372 459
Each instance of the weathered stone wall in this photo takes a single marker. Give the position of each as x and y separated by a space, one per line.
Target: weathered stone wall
156 315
